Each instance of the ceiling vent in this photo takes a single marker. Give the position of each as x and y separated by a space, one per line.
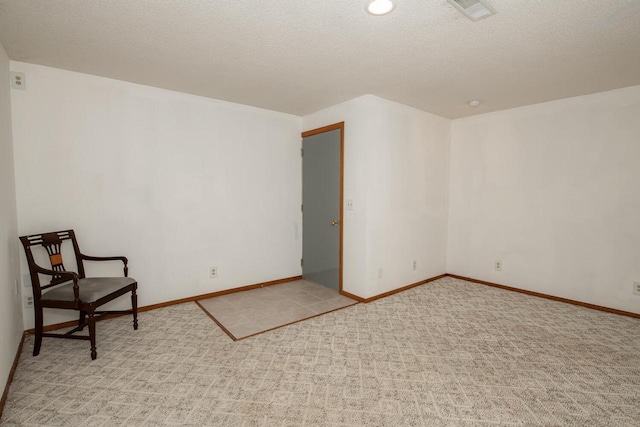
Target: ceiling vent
474 9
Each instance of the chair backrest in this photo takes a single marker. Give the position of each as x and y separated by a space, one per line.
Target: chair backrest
52 242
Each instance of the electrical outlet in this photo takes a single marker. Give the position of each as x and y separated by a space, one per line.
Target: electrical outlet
348 204
415 264
213 272
18 80
636 288
380 273
28 301
498 265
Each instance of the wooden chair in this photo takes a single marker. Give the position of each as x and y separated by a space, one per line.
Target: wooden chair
73 291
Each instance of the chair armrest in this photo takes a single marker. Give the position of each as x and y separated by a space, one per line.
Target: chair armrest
72 275
105 258
108 258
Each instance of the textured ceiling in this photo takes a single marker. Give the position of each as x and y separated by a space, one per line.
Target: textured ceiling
300 56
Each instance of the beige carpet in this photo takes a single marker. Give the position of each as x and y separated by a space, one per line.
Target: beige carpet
448 353
244 314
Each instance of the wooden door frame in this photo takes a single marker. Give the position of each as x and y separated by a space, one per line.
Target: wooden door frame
335 126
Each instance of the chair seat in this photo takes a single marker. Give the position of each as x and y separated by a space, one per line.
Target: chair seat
91 289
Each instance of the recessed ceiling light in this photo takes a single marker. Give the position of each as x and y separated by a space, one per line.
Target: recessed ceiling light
474 103
379 7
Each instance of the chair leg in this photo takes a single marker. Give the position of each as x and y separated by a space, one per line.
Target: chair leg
81 320
134 308
92 335
38 330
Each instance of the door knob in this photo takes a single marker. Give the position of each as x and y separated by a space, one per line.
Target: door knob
334 222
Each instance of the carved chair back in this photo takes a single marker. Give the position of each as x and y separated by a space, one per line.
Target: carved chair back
52 243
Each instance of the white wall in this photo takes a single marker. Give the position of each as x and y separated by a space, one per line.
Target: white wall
176 182
179 183
10 307
552 190
396 171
